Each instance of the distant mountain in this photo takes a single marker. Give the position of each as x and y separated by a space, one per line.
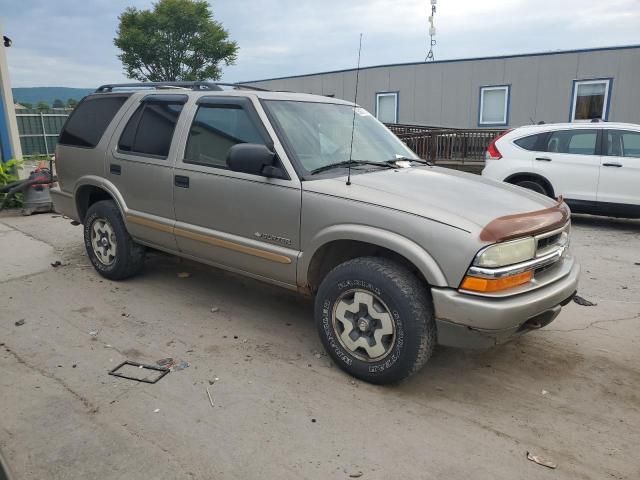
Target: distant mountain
34 95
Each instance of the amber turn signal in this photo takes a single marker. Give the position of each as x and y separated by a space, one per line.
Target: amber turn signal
489 285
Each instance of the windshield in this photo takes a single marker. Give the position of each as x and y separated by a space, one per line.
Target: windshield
319 134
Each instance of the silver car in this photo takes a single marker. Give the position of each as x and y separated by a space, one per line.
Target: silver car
315 195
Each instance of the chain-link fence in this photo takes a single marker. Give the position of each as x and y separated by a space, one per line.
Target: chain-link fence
39 130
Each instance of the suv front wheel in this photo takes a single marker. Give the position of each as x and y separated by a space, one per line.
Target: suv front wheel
111 249
375 319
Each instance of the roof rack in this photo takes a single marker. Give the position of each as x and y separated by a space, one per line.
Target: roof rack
197 85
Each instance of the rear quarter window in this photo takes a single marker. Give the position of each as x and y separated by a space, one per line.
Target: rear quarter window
88 122
528 143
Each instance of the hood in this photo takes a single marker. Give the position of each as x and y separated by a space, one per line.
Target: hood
462 200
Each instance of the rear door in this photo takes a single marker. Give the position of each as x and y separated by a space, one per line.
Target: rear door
619 186
239 221
570 160
140 165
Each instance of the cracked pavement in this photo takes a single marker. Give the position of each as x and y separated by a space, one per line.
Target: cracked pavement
281 409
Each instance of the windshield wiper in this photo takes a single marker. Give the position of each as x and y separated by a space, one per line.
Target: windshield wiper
353 163
407 159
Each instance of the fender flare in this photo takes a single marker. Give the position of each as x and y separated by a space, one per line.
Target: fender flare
103 184
410 250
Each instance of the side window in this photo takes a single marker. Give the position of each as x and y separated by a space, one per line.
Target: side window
150 130
528 143
215 129
623 144
575 142
90 119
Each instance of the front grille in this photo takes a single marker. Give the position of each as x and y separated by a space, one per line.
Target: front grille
550 242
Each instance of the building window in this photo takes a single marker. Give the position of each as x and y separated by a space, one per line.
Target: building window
494 106
590 99
387 107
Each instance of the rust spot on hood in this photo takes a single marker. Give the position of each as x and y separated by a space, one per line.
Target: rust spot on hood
526 224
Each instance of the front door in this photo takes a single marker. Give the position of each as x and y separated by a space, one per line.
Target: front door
242 222
619 186
570 161
140 165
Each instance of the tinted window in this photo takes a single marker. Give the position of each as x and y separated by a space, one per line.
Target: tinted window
150 129
215 130
528 143
90 119
577 142
623 144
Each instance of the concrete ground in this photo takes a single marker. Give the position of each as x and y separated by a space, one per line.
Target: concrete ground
570 392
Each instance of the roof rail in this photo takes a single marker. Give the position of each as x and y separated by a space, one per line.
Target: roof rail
196 85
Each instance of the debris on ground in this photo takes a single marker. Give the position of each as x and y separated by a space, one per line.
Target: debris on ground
637 263
184 275
75 223
128 374
19 323
172 364
355 475
56 264
541 461
583 301
94 333
156 410
214 309
126 315
210 398
545 392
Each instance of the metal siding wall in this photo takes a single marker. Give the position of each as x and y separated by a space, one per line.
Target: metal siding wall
522 74
447 94
625 101
428 96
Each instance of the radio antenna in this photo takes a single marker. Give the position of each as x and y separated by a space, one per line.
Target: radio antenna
353 122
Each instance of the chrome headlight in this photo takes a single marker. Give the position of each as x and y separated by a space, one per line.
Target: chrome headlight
506 253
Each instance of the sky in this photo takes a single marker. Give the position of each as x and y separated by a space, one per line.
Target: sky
70 42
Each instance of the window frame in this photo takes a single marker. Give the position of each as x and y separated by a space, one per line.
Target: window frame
151 99
93 97
396 95
590 81
229 102
507 105
598 149
605 142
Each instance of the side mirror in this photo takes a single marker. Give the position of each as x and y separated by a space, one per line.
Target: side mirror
254 159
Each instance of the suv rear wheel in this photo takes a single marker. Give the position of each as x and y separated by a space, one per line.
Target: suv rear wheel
375 318
533 185
111 249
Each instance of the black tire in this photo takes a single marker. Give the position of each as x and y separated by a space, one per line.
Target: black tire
128 257
406 298
533 185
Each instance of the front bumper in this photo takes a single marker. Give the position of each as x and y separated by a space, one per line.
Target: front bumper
470 321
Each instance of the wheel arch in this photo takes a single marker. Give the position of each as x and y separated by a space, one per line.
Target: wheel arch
338 244
521 176
90 190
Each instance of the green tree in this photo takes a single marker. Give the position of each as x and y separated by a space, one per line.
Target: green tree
176 40
57 103
41 106
72 102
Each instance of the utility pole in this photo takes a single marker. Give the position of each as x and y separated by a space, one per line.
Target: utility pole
9 139
432 32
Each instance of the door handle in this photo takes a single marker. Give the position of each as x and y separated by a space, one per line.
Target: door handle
543 159
115 169
181 181
612 164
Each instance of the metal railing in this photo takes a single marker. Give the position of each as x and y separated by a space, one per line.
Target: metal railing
39 131
446 145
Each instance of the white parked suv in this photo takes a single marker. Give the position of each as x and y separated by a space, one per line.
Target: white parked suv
595 167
